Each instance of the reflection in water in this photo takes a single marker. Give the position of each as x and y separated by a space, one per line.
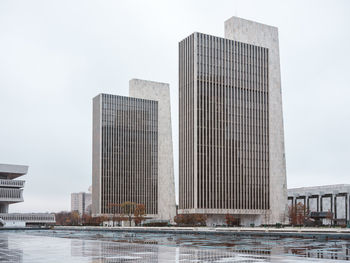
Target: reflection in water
247 245
8 250
106 247
104 251
108 252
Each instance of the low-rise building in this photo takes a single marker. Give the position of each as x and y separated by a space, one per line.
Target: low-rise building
26 219
327 198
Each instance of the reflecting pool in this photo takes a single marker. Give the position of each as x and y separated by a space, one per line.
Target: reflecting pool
93 246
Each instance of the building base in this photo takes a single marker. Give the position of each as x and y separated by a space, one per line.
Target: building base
242 220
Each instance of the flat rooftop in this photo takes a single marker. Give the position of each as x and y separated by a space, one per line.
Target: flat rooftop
12 171
322 188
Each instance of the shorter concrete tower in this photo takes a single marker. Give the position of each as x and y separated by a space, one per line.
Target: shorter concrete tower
132 151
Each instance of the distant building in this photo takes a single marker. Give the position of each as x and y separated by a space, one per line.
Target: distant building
11 191
81 202
132 151
328 198
231 154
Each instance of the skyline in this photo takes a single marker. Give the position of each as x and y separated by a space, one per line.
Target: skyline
77 63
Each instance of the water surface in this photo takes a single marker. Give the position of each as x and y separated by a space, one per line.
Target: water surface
95 246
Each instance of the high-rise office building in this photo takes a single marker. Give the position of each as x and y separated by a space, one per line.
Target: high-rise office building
131 156
231 156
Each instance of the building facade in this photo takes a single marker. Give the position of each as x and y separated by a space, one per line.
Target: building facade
125 153
327 198
81 202
231 155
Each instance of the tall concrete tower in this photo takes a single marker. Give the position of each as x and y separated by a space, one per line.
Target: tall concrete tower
231 156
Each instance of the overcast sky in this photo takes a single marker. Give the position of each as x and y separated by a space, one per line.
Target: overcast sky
55 56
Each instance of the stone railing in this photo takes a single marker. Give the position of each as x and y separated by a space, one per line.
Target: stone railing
12 183
11 194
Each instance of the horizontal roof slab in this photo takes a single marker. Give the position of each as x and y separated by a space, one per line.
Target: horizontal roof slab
11 171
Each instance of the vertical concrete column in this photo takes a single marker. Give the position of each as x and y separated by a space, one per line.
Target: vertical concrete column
332 206
334 201
347 204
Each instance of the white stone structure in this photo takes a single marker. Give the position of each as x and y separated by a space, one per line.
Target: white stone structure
26 219
11 191
160 92
267 36
333 198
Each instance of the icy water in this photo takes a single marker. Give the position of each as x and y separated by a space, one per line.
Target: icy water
92 246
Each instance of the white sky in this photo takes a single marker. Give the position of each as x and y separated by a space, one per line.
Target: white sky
55 56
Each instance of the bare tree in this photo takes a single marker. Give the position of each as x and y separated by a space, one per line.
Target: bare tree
139 213
298 214
128 209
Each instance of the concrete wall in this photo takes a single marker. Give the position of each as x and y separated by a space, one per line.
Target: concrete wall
11 224
96 153
267 36
245 220
166 186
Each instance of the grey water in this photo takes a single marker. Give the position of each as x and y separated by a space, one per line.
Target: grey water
107 246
